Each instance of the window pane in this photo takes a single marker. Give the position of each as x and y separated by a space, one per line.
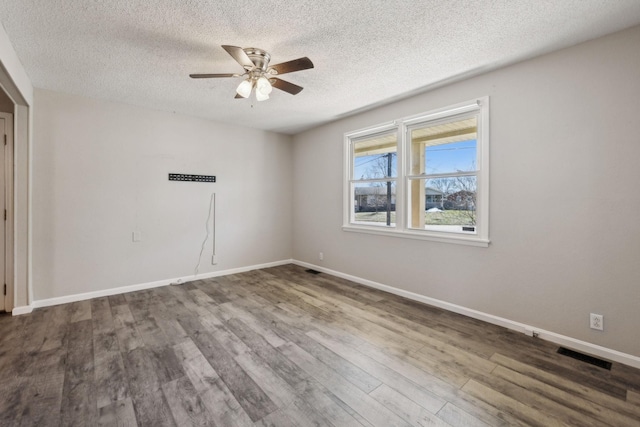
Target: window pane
375 157
444 147
444 204
375 203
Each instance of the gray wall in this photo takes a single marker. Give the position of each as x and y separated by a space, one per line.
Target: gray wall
100 173
565 239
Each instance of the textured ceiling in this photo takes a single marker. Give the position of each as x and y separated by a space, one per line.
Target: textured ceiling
366 52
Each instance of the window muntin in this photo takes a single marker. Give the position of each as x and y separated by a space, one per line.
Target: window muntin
439 159
374 172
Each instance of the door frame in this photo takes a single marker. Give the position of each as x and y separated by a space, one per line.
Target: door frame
9 250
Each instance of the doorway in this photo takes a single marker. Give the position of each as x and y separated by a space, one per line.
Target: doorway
6 211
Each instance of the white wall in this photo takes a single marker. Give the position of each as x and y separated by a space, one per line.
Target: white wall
101 172
564 229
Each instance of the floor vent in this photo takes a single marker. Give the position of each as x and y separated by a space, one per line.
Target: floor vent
312 271
585 358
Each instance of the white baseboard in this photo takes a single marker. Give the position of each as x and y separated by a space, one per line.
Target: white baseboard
25 309
141 286
563 340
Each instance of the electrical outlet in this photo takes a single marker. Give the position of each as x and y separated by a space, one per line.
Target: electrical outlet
596 321
137 236
321 256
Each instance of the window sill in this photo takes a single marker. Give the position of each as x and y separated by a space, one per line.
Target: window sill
417 235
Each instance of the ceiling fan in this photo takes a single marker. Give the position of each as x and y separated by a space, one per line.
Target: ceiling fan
259 74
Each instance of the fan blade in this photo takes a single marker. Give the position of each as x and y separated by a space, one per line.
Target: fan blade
291 66
239 55
285 86
212 76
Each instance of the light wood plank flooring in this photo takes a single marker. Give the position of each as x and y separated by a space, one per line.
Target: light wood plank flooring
283 347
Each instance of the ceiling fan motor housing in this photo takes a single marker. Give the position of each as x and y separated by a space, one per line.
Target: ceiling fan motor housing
259 57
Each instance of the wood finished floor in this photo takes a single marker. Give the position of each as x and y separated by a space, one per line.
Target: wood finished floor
282 347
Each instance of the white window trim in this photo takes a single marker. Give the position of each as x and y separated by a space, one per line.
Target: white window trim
481 239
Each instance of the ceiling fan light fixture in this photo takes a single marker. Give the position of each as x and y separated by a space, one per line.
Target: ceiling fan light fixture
263 86
261 96
244 88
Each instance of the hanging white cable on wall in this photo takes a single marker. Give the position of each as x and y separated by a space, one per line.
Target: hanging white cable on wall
212 214
213 253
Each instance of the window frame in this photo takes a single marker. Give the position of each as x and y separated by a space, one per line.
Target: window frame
403 127
354 138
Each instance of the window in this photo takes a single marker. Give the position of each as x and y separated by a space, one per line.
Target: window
424 176
443 163
374 181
